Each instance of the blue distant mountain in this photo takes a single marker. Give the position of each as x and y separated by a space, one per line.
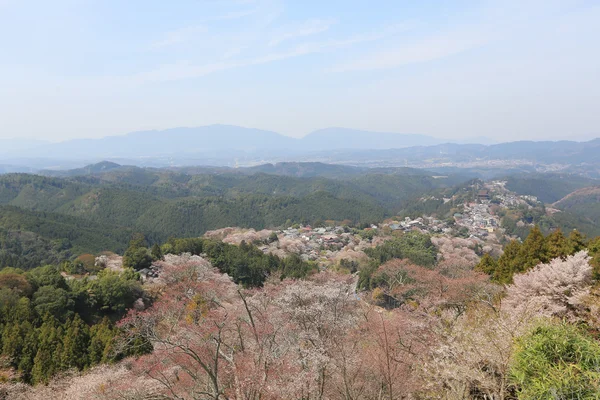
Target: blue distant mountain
219 138
344 138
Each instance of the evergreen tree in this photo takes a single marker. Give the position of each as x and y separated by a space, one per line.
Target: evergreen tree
75 344
137 256
30 348
506 263
12 340
156 252
487 264
46 363
101 342
532 252
557 245
594 252
43 366
577 241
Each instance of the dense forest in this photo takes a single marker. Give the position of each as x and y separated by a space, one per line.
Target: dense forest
45 219
49 324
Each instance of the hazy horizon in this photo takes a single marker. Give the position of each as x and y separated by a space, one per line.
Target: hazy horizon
477 139
505 71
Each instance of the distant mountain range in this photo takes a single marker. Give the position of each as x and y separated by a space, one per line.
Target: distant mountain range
233 146
211 138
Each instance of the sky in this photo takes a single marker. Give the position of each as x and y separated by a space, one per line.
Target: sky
505 69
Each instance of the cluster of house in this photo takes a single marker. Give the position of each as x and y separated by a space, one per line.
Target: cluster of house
328 237
505 197
317 243
423 224
476 217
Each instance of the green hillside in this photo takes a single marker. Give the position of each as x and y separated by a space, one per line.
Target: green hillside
100 210
548 187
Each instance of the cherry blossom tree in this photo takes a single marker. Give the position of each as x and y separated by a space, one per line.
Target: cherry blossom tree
556 289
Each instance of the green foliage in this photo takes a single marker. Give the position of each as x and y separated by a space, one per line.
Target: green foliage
536 249
246 264
547 187
576 242
59 218
48 324
75 344
54 301
48 275
295 267
272 237
557 361
557 245
29 238
113 292
415 246
137 256
156 252
27 250
487 265
532 252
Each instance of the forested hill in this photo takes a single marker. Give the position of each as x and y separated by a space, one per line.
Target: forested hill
548 187
46 218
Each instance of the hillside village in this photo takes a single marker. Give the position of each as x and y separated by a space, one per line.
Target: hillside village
476 219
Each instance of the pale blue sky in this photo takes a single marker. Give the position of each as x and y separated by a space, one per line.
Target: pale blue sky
506 69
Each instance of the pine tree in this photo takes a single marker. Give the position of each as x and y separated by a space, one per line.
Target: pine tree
156 252
532 252
577 241
556 245
594 252
45 363
12 340
75 344
487 265
506 263
101 342
43 366
30 348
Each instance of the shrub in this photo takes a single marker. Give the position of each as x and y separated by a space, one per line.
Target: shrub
557 361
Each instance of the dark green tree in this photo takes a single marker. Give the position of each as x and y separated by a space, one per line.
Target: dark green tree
102 337
75 345
577 241
506 263
54 301
532 251
556 245
137 255
47 359
156 252
137 258
487 265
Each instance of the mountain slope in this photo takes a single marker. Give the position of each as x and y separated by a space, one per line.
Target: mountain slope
169 141
548 187
344 138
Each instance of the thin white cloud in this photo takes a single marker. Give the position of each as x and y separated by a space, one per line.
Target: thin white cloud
179 36
186 70
307 28
429 49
